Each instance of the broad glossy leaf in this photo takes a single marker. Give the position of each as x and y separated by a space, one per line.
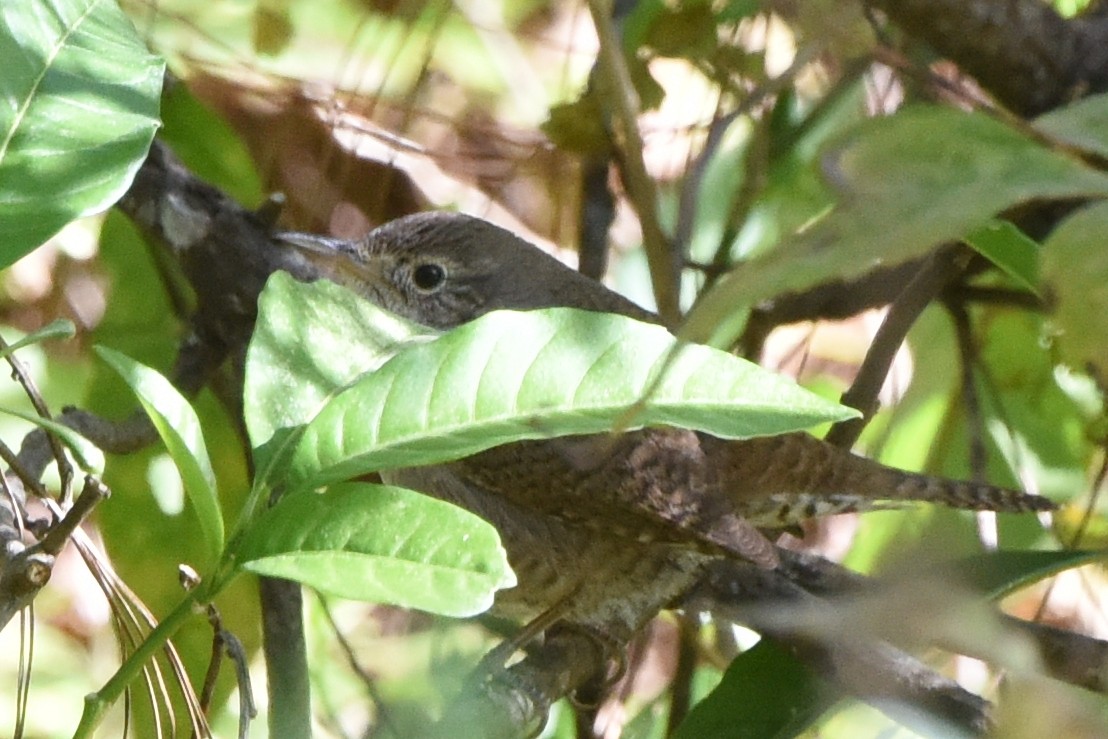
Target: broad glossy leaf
381 544
179 429
525 375
905 184
78 110
1075 266
310 341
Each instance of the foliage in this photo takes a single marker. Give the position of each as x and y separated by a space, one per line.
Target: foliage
804 192
80 109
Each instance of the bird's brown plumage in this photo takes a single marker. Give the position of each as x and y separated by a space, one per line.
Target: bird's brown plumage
615 526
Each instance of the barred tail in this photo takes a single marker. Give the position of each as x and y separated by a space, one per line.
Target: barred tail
783 480
967 495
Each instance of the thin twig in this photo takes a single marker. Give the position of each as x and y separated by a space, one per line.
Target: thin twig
26 626
224 642
970 400
687 652
366 679
999 296
690 186
60 533
19 373
940 269
29 481
664 260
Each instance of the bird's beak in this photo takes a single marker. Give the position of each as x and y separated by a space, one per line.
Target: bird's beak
336 259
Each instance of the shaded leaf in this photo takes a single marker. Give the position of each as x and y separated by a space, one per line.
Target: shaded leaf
578 127
685 32
381 544
765 693
1083 124
273 29
1075 266
1001 572
208 145
1003 244
509 376
179 428
904 183
78 110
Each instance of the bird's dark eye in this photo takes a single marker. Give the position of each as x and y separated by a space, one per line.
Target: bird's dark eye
427 277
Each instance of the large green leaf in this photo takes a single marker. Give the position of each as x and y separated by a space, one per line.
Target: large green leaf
179 428
310 341
381 544
78 110
905 183
525 375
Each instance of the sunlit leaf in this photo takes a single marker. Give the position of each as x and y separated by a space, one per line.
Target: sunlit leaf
179 428
310 341
525 375
381 544
78 110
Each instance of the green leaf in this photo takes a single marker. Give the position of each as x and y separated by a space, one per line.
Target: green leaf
1001 572
88 455
78 110
686 32
381 544
1075 266
1003 244
765 693
311 340
510 376
1083 124
179 428
905 184
59 329
208 145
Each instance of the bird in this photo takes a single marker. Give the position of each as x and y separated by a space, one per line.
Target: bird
607 529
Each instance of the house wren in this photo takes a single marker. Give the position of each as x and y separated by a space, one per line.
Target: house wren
607 529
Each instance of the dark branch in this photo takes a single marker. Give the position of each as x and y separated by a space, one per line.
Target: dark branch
1029 57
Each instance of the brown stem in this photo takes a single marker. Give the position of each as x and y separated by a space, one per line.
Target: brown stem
939 270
